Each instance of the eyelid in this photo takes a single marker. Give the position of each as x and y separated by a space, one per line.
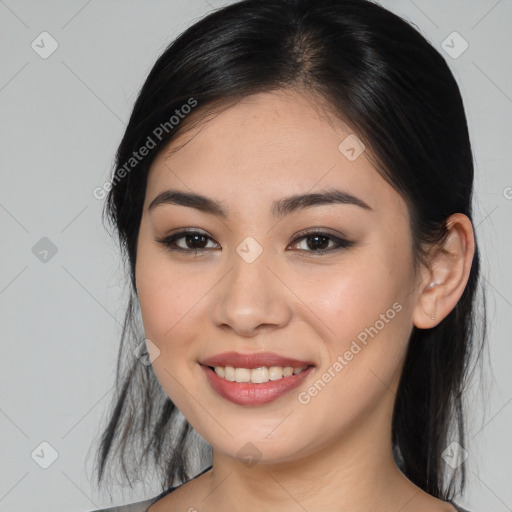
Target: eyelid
320 231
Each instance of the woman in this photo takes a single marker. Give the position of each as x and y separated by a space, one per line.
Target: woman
293 198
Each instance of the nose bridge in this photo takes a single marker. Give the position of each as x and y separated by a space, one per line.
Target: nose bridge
249 296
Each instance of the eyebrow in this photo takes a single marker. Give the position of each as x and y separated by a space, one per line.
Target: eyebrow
280 207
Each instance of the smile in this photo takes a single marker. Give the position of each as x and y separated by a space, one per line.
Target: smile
269 384
256 375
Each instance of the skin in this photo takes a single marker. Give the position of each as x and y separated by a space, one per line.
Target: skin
333 453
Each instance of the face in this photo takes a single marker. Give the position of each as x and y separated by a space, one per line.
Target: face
329 284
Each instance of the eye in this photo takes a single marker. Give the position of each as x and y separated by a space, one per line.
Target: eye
196 242
318 242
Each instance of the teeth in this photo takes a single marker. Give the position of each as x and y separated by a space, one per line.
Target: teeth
256 375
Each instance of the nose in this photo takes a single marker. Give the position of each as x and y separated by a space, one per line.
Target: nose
252 298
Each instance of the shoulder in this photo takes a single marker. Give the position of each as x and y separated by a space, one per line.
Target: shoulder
140 506
457 508
178 498
143 506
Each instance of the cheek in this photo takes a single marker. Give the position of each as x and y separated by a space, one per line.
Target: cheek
364 346
161 297
170 304
353 296
166 301
173 303
157 306
363 310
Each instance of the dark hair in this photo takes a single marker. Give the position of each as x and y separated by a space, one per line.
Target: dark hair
380 76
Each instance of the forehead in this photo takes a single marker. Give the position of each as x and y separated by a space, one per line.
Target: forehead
266 146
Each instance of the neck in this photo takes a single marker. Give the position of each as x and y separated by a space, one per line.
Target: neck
357 472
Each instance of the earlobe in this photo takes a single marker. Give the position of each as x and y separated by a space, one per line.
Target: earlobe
448 274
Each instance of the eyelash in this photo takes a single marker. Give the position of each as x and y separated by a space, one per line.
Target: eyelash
169 242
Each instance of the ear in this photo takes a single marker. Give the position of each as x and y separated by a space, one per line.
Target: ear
449 269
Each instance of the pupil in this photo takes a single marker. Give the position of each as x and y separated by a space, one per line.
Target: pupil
189 237
315 246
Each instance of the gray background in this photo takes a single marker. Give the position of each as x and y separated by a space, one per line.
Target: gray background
62 118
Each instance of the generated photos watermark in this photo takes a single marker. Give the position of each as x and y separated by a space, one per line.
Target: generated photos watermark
304 397
137 156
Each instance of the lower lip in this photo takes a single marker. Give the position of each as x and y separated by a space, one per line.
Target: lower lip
247 393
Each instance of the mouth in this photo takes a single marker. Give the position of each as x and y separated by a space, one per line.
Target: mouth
253 360
259 375
255 386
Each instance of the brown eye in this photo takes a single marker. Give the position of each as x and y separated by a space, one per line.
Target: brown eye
193 242
318 242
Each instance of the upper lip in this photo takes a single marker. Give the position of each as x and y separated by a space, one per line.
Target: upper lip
253 360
